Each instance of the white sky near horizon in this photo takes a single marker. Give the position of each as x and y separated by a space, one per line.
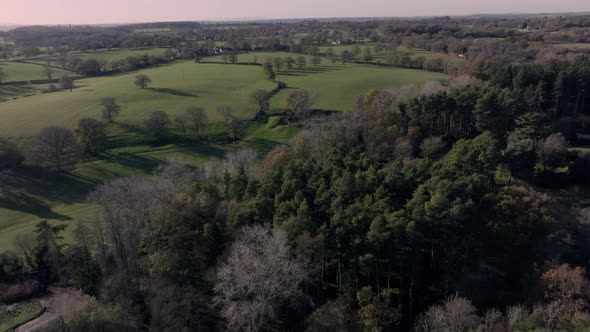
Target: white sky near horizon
130 11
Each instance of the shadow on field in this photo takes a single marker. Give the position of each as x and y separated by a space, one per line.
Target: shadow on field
20 191
309 70
173 92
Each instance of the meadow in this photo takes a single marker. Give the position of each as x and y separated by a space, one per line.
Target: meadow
335 84
26 198
175 87
106 55
18 71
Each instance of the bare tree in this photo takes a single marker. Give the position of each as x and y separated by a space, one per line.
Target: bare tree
130 211
300 102
55 148
431 146
259 97
91 135
48 72
66 83
301 62
142 81
182 121
197 120
257 276
231 125
457 314
155 123
110 109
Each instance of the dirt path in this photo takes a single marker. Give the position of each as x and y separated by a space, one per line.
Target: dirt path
59 304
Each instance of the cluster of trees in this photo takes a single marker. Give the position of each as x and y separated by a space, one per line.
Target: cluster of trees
94 67
373 219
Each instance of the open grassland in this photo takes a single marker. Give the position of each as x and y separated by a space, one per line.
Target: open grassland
14 91
336 85
27 198
175 87
17 71
107 55
413 53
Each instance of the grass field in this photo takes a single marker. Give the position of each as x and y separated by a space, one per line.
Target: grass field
413 53
17 71
27 198
175 87
336 85
17 315
108 55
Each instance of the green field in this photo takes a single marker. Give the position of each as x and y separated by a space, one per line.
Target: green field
413 53
27 198
18 315
336 85
175 87
108 55
17 71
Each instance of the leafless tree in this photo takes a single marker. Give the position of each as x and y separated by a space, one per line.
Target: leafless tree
301 61
55 148
259 97
257 277
130 211
142 81
91 135
300 102
110 109
457 314
66 83
48 72
431 145
178 173
154 125
197 120
514 315
182 121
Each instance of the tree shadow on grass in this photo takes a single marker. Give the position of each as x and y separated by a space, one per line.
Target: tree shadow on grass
173 92
22 190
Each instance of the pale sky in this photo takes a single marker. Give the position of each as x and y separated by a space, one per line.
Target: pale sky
127 11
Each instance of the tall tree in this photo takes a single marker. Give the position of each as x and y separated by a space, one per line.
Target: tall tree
142 81
110 109
55 148
91 135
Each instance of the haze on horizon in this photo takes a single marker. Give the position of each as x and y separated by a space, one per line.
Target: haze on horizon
130 11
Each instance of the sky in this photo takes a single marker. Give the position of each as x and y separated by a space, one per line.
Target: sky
130 11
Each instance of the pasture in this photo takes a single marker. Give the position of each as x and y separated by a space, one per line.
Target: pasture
18 71
107 55
336 85
27 198
175 87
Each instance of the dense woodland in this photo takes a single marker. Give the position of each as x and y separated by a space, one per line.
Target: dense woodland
446 207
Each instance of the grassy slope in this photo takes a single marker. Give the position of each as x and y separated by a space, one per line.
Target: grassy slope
336 85
17 71
175 87
25 199
19 315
